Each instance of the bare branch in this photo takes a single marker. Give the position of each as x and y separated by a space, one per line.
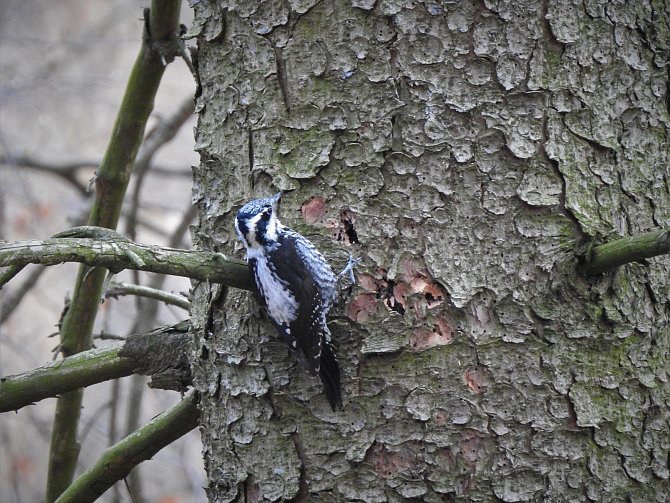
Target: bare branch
118 253
160 353
628 249
143 444
55 378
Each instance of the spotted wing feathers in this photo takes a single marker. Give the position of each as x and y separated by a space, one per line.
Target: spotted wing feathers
330 375
310 283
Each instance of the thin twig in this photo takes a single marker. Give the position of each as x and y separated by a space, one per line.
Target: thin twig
103 336
121 288
165 172
67 171
13 298
157 138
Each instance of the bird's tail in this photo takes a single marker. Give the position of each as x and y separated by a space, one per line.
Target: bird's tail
330 376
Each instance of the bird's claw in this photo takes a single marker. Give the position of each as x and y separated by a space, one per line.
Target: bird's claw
349 268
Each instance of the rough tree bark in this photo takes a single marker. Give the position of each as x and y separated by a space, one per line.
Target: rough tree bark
469 151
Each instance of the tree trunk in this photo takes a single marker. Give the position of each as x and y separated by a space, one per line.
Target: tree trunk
467 151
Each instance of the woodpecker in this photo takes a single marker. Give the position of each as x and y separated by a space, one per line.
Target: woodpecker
297 287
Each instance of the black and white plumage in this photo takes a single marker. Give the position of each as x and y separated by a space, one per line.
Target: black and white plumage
296 286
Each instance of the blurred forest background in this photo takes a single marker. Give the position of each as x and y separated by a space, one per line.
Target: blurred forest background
63 69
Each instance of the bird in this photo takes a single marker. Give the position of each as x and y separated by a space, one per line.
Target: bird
297 287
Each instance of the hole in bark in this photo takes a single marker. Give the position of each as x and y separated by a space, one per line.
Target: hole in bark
385 293
350 230
347 220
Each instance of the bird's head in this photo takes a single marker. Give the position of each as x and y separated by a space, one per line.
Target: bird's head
257 224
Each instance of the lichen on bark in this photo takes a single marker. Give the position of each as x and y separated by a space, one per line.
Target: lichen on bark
471 146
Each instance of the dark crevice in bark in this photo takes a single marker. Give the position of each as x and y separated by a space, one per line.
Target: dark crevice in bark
252 492
607 152
571 420
396 133
217 391
650 290
209 323
393 63
385 292
282 78
549 36
563 209
303 486
396 126
471 30
654 211
193 52
250 147
326 55
628 193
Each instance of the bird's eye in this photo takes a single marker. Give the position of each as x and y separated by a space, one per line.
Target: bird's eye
266 213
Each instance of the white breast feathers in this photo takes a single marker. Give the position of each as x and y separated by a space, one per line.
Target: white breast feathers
281 304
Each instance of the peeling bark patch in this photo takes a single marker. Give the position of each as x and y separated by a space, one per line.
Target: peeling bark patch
363 307
432 292
314 210
472 448
367 282
571 419
401 294
476 379
422 283
417 292
250 147
440 335
387 463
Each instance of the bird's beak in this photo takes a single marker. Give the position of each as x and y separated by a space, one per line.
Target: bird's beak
275 200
